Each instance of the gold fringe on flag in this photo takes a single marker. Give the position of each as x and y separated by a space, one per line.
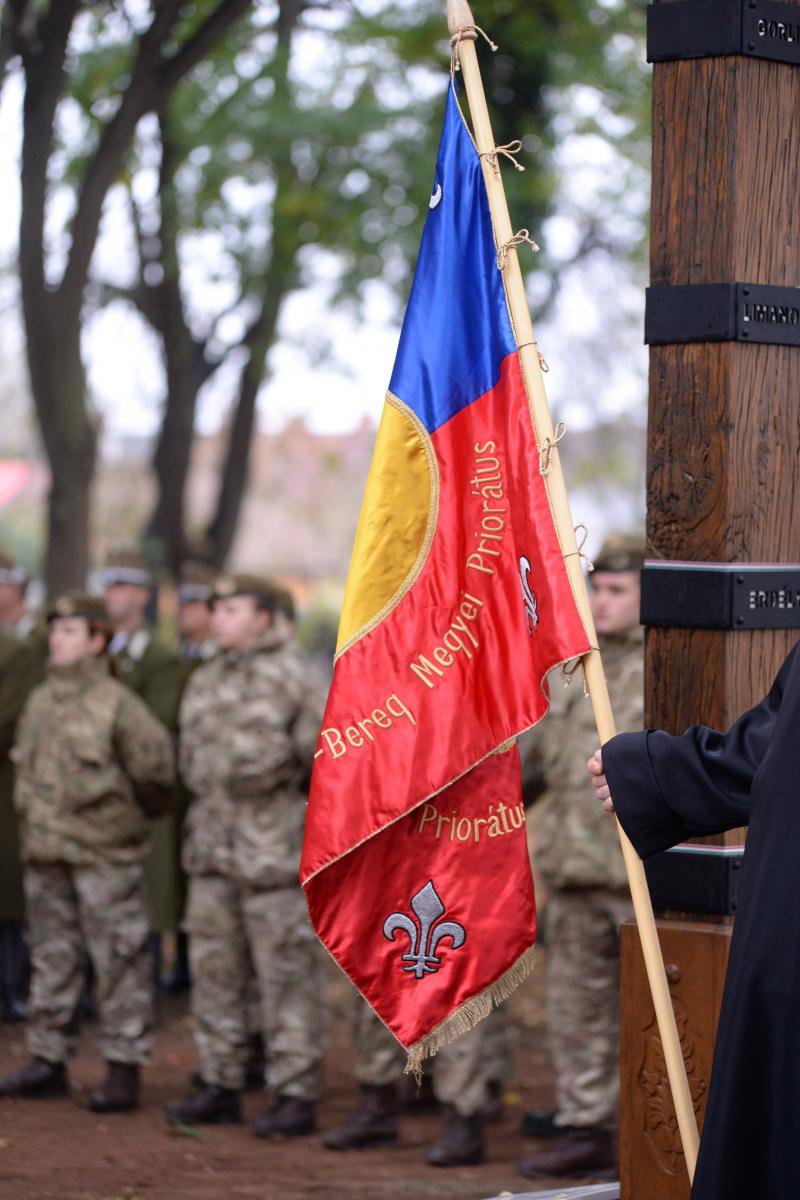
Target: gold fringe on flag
467 1015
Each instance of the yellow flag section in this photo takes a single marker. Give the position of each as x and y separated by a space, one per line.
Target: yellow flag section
396 525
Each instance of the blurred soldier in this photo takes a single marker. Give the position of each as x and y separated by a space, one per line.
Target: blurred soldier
19 674
14 615
23 653
194 615
155 672
197 646
16 618
250 720
580 862
467 1080
92 765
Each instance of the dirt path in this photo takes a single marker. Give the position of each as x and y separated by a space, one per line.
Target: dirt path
59 1150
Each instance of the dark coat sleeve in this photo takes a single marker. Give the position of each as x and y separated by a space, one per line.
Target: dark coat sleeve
666 789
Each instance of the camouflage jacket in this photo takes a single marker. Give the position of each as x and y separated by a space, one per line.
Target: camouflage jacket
576 844
92 765
248 731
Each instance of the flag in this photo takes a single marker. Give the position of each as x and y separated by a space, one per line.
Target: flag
457 605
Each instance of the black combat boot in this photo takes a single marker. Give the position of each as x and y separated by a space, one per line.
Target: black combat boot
374 1123
119 1091
289 1117
579 1152
461 1144
38 1079
541 1123
209 1105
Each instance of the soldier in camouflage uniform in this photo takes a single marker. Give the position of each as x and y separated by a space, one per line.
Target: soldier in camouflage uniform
250 720
577 855
155 672
92 766
19 674
467 1077
23 653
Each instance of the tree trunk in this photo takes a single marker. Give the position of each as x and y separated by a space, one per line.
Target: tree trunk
68 519
52 313
221 530
185 366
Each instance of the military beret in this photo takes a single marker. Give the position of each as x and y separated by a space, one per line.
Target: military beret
11 571
81 604
620 552
126 566
242 584
196 583
284 602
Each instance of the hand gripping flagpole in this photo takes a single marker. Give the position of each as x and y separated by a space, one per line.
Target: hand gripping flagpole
464 34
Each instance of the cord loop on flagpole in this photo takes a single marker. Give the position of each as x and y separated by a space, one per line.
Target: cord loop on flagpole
521 237
581 544
471 32
510 150
547 447
543 364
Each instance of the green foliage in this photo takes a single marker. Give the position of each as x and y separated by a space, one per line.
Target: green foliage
345 133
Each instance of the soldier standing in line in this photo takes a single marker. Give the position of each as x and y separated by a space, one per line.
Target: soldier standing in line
467 1081
194 615
197 646
14 615
19 674
92 766
578 856
155 672
250 720
23 654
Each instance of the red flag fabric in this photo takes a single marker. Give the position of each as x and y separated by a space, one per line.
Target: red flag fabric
457 605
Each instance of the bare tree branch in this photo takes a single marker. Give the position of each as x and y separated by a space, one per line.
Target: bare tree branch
138 99
203 40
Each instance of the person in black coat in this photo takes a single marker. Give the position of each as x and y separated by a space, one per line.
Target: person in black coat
666 789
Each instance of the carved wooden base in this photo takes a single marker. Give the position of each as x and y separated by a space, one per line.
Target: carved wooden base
696 955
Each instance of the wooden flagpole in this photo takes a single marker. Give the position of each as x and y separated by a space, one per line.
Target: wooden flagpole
463 33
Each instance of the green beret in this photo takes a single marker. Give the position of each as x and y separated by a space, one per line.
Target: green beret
81 604
127 566
620 552
242 584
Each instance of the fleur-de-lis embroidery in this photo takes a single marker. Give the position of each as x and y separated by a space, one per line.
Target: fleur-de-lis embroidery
425 934
531 609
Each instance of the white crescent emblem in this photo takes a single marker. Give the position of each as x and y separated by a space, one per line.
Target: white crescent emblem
436 197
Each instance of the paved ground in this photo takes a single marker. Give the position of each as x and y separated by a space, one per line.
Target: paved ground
58 1150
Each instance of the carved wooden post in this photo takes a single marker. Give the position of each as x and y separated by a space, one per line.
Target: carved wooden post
723 323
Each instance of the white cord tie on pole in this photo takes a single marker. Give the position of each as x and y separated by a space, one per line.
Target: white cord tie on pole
522 237
510 150
547 447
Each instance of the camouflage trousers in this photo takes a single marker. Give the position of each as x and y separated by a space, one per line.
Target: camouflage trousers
462 1071
583 1002
233 930
103 911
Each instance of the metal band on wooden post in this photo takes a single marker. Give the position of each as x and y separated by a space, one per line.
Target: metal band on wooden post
461 25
